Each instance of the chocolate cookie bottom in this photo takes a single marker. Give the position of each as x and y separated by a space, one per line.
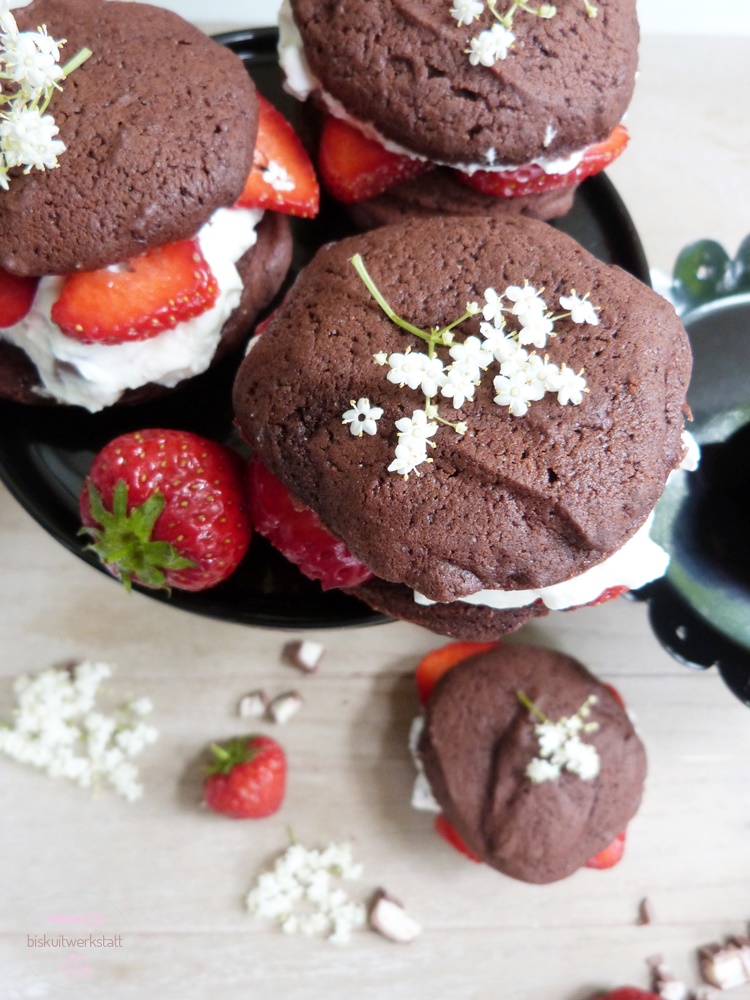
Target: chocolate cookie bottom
440 193
458 620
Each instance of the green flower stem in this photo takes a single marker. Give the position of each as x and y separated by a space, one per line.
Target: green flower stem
359 267
528 703
78 60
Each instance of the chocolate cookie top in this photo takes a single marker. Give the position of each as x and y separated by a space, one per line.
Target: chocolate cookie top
159 125
517 501
403 66
479 739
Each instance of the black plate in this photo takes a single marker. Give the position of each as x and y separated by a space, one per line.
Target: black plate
46 453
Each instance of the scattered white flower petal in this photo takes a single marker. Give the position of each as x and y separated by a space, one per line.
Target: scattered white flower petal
362 417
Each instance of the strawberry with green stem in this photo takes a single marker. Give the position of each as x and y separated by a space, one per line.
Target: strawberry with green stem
166 508
246 777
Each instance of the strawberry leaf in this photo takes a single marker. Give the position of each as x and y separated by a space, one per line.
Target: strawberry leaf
123 539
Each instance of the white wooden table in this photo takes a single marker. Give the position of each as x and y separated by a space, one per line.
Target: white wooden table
179 874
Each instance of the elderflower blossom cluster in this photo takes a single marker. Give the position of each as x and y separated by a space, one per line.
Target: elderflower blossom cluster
58 729
512 321
494 44
302 894
562 749
29 75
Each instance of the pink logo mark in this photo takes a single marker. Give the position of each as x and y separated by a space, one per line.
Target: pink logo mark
75 966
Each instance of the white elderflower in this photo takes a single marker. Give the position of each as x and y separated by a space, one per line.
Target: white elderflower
571 387
561 747
31 61
466 11
410 453
581 759
526 299
581 310
362 418
460 382
536 326
472 351
58 729
416 427
407 368
433 375
516 392
278 177
303 894
540 770
491 46
495 338
28 139
493 307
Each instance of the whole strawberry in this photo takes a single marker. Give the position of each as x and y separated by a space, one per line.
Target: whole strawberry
166 508
247 777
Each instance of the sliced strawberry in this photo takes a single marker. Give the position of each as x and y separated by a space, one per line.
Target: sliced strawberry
616 694
297 533
138 299
353 167
283 178
610 856
628 993
608 595
16 296
454 838
438 662
532 179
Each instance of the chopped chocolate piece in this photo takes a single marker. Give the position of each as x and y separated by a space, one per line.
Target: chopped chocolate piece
388 917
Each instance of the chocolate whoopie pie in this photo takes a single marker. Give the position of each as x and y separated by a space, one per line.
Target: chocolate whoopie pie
159 126
492 473
532 812
525 97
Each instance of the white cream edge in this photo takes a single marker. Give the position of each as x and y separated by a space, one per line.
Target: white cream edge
638 562
94 376
300 81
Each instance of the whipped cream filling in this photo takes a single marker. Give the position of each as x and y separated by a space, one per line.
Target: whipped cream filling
638 562
301 82
95 375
